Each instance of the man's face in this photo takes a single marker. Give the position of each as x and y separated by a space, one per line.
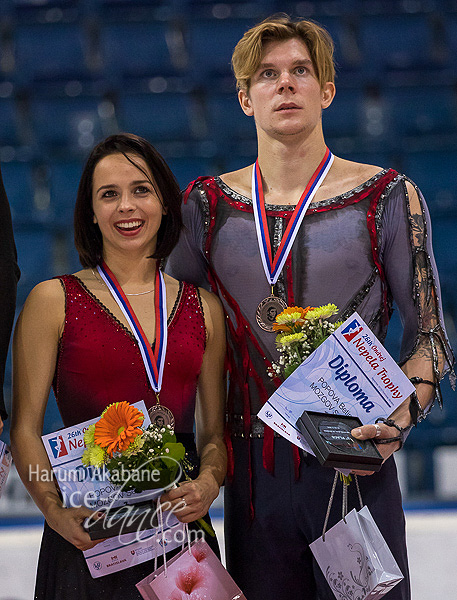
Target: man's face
285 96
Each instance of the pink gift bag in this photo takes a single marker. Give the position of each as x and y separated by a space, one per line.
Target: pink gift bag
194 574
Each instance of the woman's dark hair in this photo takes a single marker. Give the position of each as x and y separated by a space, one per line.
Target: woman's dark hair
88 239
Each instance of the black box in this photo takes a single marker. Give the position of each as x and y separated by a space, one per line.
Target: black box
123 519
329 437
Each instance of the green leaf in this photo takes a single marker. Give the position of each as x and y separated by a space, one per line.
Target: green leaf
176 451
290 369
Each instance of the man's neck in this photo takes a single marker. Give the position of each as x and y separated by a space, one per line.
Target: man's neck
287 165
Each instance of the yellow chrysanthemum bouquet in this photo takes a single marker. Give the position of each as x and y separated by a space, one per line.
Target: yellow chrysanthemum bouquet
136 458
300 332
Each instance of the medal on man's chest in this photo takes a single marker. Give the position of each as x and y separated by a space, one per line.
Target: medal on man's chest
271 306
267 310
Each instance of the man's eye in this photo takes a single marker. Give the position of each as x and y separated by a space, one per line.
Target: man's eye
268 73
301 70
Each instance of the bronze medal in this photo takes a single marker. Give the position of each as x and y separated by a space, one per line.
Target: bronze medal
267 311
161 416
270 307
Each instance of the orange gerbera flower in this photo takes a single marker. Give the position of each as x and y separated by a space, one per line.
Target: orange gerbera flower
289 318
118 426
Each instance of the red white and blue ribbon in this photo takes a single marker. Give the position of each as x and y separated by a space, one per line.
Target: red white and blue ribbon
154 361
273 266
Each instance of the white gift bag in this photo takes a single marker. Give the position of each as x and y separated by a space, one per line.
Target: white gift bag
355 558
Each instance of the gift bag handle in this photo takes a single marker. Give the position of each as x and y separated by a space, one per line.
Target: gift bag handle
344 508
186 537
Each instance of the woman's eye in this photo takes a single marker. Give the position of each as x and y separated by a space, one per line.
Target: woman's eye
301 70
268 73
142 189
109 194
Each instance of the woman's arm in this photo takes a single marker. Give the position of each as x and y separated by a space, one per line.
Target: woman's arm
35 345
199 494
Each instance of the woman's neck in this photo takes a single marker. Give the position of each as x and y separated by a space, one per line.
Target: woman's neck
132 275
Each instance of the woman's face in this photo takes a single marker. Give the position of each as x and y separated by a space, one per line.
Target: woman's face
126 206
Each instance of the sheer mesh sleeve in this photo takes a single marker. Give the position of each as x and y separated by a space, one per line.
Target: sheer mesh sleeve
412 276
187 262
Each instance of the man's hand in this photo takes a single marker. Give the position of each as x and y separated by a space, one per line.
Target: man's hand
380 431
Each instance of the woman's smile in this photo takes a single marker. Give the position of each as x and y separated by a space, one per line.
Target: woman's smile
129 227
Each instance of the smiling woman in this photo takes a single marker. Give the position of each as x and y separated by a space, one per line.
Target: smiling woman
126 206
147 174
76 335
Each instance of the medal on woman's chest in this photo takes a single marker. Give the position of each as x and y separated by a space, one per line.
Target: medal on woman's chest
271 306
161 415
154 360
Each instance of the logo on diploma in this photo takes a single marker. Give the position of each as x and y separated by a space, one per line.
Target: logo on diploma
351 330
58 447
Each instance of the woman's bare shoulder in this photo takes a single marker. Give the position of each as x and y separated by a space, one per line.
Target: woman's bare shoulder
49 290
45 305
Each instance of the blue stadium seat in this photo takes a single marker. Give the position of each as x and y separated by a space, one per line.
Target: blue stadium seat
395 41
451 35
341 118
423 109
189 168
226 119
64 179
49 51
443 238
156 117
136 49
66 125
8 131
35 258
434 173
211 43
19 186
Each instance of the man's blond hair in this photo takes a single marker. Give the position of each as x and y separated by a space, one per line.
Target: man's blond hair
248 52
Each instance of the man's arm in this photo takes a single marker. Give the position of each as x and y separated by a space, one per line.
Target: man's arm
426 355
9 276
187 262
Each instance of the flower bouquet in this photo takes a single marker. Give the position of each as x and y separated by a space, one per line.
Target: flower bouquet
136 458
300 332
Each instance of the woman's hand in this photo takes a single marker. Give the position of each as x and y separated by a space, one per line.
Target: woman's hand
380 431
68 522
191 499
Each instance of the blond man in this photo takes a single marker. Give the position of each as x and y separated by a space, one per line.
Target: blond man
363 243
